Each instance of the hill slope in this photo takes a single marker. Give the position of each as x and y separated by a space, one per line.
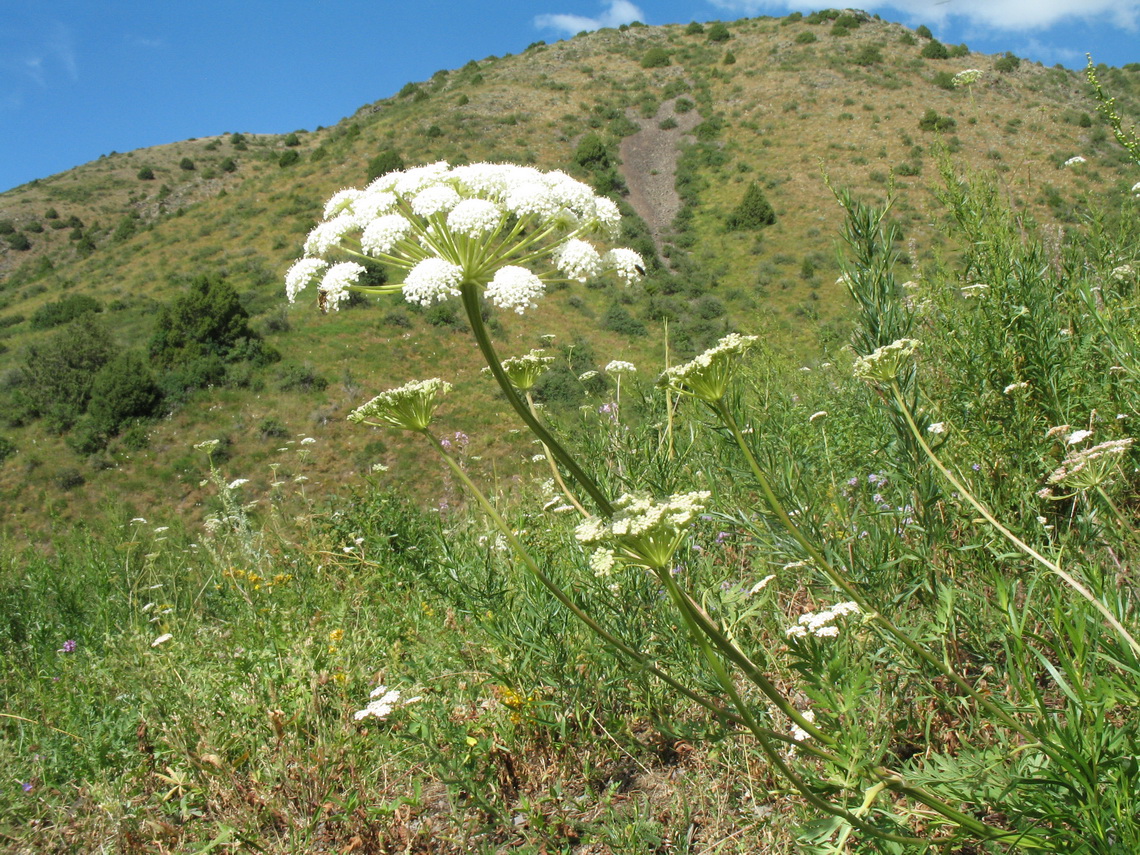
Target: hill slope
687 124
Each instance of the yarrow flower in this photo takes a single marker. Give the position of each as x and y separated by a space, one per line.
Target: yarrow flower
967 76
821 624
886 363
384 700
1015 387
1076 159
707 377
620 367
409 407
483 225
645 531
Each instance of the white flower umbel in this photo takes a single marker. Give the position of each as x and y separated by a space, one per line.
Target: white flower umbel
409 407
886 363
967 76
645 531
620 367
507 229
1075 160
525 370
1088 468
707 377
384 701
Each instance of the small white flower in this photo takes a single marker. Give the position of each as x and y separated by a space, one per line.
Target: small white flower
822 414
475 217
431 281
302 272
578 260
338 279
627 264
759 586
587 375
937 428
1014 387
620 367
515 288
162 639
381 235
437 199
329 234
307 441
237 482
1073 161
1077 436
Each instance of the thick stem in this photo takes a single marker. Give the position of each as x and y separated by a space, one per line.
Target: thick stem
638 657
470 294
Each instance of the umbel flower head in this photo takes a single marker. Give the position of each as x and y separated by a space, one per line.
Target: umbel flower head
409 407
887 362
484 224
643 530
525 370
1089 468
707 377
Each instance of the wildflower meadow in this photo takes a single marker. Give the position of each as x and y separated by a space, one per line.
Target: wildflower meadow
881 602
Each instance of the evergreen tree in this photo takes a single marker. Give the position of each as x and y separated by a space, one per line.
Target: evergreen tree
753 212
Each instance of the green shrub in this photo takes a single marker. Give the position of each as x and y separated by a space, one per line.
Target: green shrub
931 121
667 124
186 164
51 214
959 51
618 319
288 158
591 152
292 140
848 20
805 38
56 375
1007 63
207 321
19 242
840 30
433 132
301 378
655 57
386 161
695 28
907 39
122 391
228 165
718 32
934 49
753 212
272 428
7 448
145 174
944 80
923 32
868 55
729 58
64 311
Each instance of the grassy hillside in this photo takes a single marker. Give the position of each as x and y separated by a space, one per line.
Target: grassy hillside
781 103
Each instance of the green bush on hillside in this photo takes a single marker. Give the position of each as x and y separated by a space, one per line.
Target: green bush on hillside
934 49
931 121
655 57
386 161
718 32
64 310
753 212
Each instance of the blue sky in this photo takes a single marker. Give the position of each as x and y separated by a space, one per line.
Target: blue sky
79 79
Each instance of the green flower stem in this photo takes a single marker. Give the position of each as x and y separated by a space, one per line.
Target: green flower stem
470 295
839 580
761 734
700 624
554 466
1009 535
638 657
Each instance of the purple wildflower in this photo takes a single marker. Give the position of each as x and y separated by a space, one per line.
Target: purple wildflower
69 646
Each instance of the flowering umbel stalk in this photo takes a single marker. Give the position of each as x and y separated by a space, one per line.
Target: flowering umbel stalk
481 231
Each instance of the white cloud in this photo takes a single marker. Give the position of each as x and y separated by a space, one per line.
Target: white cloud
1015 15
619 12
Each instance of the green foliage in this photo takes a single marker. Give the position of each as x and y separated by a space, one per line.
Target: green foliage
805 38
958 51
19 242
145 174
57 375
383 162
753 212
618 319
288 158
206 324
291 140
694 28
591 152
123 391
944 80
186 164
729 58
718 32
908 39
655 57
923 32
1007 63
934 49
7 227
932 121
64 311
228 165
868 55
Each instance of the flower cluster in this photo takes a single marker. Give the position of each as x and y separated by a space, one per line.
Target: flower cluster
821 624
1075 160
1088 468
707 377
967 76
643 531
384 700
525 370
409 407
620 367
480 224
886 363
